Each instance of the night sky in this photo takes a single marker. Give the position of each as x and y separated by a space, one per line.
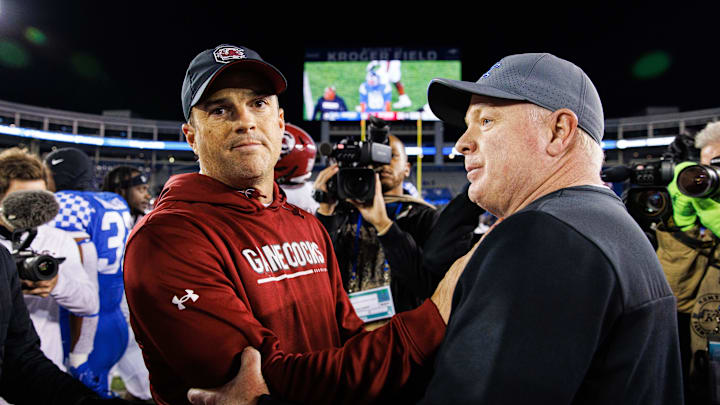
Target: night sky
102 55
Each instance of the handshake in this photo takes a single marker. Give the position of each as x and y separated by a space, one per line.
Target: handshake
695 194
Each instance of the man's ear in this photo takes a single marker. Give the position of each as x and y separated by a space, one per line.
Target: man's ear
189 132
281 119
563 127
408 167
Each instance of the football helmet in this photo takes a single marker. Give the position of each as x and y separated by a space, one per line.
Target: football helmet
297 156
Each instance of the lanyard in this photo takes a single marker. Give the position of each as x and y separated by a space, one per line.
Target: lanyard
353 275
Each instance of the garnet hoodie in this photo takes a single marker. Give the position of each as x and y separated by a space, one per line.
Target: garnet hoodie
211 270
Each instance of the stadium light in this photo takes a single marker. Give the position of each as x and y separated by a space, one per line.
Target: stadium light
12 130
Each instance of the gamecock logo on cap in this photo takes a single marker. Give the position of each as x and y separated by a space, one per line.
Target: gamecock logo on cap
228 53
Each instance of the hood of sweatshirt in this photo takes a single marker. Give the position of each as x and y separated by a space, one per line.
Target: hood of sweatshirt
196 187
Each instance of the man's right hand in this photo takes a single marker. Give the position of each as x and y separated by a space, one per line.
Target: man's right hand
41 288
245 389
326 208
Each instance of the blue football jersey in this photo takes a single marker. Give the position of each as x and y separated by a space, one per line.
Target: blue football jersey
375 97
103 217
103 220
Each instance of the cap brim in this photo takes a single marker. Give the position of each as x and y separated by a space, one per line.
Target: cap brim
275 78
449 99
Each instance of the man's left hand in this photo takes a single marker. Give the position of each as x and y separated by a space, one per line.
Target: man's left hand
375 212
40 288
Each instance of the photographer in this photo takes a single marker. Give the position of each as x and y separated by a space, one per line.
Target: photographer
687 249
380 243
26 375
71 287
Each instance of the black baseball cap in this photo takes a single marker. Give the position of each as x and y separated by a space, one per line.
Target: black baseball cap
208 64
71 168
540 78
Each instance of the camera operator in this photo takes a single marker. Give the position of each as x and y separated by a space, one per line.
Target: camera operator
687 249
379 243
71 287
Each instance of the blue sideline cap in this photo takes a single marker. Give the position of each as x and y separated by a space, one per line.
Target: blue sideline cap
209 63
540 78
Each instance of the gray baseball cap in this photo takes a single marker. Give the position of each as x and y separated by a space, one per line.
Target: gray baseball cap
540 78
208 65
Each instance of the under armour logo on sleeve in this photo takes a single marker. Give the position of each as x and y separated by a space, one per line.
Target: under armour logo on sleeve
180 301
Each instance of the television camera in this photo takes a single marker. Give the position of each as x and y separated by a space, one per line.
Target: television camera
357 161
647 198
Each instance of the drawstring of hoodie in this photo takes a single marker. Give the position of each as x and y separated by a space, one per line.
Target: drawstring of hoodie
252 193
295 210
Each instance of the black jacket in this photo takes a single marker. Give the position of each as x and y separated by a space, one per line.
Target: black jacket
564 302
26 375
452 235
401 246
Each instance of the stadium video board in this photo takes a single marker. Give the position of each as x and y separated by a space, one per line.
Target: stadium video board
391 83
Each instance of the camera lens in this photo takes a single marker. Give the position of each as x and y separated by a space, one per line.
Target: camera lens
47 267
36 268
358 185
653 202
648 205
698 181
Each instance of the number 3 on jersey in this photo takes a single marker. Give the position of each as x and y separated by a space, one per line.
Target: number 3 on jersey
115 225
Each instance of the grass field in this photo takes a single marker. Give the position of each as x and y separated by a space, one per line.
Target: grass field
118 387
347 77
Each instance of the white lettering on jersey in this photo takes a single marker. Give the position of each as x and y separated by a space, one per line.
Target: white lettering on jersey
330 105
114 204
270 256
252 258
297 251
117 241
287 251
286 256
279 256
316 252
306 252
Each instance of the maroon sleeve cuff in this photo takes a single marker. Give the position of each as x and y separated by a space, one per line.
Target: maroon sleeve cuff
425 327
